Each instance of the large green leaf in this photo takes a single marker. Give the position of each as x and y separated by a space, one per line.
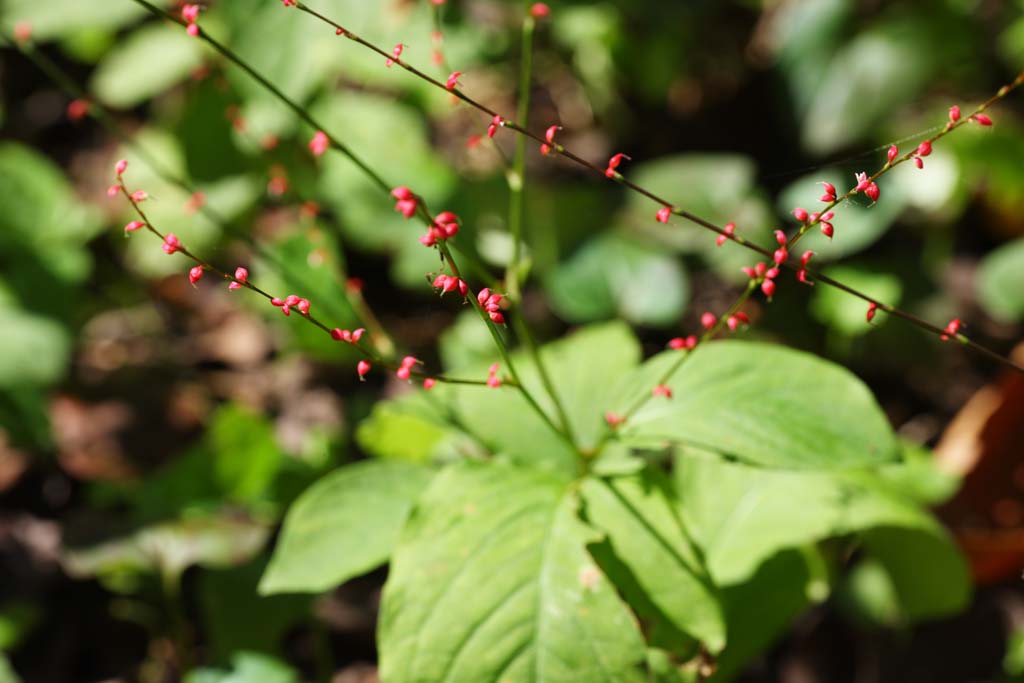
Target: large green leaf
763 404
147 62
1001 282
343 526
503 420
647 537
492 582
741 516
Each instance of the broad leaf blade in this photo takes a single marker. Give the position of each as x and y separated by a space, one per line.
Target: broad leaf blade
763 404
492 582
648 538
343 526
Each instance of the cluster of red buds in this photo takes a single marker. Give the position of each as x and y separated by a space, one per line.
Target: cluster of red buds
493 381
171 243
801 274
680 343
728 231
405 201
190 13
496 123
767 276
549 135
352 337
319 144
291 301
867 186
952 329
614 163
404 370
241 277
830 192
661 390
397 52
445 225
450 283
491 303
872 309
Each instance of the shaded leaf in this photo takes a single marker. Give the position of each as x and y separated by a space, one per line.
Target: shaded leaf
492 582
343 526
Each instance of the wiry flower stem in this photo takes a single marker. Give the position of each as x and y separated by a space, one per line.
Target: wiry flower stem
682 213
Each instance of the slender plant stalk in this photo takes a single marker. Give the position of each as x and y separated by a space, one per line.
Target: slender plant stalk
378 334
516 186
561 150
337 145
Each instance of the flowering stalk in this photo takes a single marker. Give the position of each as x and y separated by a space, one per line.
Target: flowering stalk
101 114
549 146
172 245
419 209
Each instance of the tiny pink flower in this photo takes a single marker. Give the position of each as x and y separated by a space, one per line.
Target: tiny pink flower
406 203
120 167
171 243
496 122
677 343
768 287
872 309
303 306
319 144
892 153
872 191
924 149
780 255
362 368
77 109
139 196
192 30
540 10
663 214
195 274
830 192
827 230
729 230
952 329
780 237
661 390
396 51
241 276
614 163
113 190
429 383
800 214
954 114
133 226
357 334
549 135
982 119
919 162
613 419
708 320
453 80
862 182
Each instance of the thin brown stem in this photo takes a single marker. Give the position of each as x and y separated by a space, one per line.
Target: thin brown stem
561 150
